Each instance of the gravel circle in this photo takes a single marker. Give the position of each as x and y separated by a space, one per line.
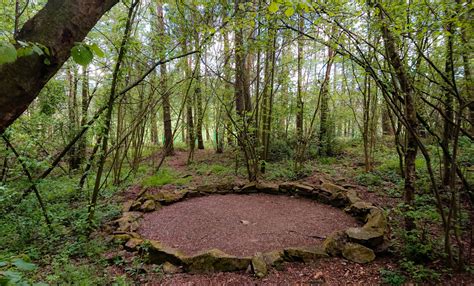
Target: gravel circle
242 225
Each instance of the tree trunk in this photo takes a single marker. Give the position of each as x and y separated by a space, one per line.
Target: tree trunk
58 26
108 117
407 90
198 96
168 132
324 136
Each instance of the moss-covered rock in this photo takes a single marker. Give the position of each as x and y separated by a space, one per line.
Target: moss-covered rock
352 196
249 188
159 253
360 209
215 260
332 194
259 265
121 238
358 253
305 254
365 236
127 206
128 222
169 197
274 258
376 220
148 206
334 243
296 188
169 268
133 243
269 188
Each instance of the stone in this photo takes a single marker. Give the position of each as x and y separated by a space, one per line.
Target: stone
148 206
121 238
274 258
269 188
127 206
360 209
215 260
245 222
249 188
136 205
133 243
169 268
353 197
364 236
259 266
159 253
333 194
334 243
296 188
305 254
128 222
332 188
376 220
169 197
358 253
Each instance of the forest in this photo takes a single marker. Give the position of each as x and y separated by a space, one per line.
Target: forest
245 142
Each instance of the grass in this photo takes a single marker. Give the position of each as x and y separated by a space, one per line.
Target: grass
164 177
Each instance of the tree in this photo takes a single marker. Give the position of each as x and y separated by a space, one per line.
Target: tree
57 32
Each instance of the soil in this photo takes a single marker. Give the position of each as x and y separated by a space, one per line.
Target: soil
242 225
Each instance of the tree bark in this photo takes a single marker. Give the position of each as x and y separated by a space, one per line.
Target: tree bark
407 90
168 144
59 25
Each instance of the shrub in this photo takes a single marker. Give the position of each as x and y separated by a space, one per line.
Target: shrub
392 277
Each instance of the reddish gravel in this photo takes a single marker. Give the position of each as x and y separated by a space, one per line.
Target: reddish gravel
243 224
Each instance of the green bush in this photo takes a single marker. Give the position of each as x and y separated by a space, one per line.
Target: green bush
393 278
369 179
419 273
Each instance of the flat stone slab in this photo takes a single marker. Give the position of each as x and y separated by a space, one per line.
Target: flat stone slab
216 222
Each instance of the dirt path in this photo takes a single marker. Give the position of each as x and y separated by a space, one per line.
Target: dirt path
243 224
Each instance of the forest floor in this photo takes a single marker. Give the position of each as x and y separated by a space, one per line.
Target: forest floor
208 168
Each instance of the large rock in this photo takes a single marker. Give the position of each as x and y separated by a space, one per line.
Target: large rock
259 265
169 197
365 236
127 206
360 209
215 260
376 220
133 243
358 253
249 188
353 197
296 188
305 254
128 222
223 188
332 194
169 268
334 243
148 206
159 253
269 188
274 258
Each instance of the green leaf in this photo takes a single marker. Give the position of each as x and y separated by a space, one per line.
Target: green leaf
3 263
273 7
97 50
7 53
23 265
82 54
289 12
